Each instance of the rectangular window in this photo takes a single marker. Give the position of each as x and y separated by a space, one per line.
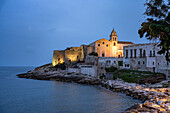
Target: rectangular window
154 53
150 54
138 62
131 53
126 53
140 53
134 53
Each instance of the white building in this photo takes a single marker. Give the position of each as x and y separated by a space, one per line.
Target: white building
144 57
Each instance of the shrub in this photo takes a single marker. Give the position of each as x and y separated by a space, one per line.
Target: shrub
111 69
102 77
93 54
120 63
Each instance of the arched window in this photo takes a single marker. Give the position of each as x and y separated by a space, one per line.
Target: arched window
114 44
108 62
103 55
115 38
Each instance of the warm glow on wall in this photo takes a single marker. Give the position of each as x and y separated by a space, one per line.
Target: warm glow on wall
72 57
55 62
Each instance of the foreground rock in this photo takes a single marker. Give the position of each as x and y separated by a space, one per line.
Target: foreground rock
61 75
154 99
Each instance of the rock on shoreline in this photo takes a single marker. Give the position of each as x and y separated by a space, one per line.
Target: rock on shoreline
154 100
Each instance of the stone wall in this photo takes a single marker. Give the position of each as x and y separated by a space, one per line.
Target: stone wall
58 57
108 61
74 54
74 70
91 60
89 70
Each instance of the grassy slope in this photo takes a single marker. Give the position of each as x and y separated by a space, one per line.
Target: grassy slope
137 76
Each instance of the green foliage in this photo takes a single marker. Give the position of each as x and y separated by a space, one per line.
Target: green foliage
157 25
111 69
93 54
120 63
102 77
132 76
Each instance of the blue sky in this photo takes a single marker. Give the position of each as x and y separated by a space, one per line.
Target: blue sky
31 29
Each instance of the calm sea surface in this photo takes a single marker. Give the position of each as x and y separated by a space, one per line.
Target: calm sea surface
19 95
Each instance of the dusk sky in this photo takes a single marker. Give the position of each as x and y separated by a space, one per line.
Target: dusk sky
31 29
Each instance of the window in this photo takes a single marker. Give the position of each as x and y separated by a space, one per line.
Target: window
134 53
114 44
108 62
150 53
143 62
126 53
118 56
98 44
144 54
153 63
138 62
114 61
103 42
154 53
107 45
131 53
58 59
140 53
77 57
103 55
115 38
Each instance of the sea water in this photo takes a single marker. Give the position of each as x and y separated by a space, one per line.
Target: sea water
20 95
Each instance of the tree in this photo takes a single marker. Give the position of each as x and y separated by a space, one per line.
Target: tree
157 25
93 54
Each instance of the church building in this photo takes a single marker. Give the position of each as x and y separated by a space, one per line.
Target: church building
103 47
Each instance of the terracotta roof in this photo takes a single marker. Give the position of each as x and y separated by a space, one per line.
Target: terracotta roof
102 39
124 42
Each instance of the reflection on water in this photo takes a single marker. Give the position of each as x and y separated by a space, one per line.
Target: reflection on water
19 95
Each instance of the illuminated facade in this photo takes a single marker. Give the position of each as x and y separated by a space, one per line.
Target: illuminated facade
103 47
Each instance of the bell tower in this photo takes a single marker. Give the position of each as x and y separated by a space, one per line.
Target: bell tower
113 40
113 36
